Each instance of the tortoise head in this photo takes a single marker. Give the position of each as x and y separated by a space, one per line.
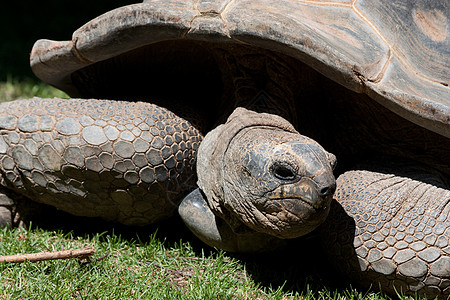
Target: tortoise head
257 171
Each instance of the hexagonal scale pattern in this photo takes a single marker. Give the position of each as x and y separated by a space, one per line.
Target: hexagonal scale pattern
399 228
122 161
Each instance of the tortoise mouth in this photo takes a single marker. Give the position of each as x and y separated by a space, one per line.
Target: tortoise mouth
297 203
299 206
301 210
295 217
297 196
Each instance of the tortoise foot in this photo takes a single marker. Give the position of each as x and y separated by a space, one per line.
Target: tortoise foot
6 211
14 210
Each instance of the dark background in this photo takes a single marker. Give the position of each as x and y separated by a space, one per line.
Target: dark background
24 22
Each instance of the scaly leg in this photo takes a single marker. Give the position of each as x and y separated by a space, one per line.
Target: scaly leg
390 228
129 162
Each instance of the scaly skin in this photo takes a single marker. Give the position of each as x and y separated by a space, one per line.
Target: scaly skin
121 161
96 158
392 230
114 174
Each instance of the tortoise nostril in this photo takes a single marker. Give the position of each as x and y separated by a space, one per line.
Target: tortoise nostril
283 171
325 191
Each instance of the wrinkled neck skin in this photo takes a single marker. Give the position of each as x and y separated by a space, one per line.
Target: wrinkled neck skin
259 179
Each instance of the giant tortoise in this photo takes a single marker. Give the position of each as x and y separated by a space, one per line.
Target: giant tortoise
366 80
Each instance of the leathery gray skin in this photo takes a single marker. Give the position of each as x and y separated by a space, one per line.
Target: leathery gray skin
258 179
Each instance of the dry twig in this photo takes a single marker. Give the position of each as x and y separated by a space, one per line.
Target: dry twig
84 253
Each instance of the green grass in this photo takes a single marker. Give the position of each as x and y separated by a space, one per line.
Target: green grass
12 89
130 268
164 261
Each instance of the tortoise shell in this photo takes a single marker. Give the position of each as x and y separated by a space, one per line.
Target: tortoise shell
395 52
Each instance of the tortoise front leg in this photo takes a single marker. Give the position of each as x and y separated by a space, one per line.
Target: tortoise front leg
128 162
390 228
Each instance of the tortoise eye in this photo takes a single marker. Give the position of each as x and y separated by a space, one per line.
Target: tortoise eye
283 171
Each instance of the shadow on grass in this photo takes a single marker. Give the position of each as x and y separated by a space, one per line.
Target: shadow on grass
299 268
